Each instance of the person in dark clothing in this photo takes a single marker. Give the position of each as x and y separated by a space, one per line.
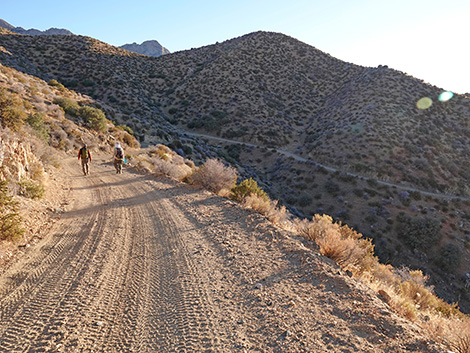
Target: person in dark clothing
85 155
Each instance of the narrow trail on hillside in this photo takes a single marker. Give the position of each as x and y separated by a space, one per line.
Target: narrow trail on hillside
139 264
333 169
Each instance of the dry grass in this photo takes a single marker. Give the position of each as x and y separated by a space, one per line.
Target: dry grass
214 176
268 208
338 242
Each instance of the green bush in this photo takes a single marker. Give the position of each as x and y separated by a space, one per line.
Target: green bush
36 121
10 221
70 106
127 129
94 117
417 232
31 189
246 188
55 83
449 258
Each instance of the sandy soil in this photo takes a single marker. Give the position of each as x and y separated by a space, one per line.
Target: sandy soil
139 264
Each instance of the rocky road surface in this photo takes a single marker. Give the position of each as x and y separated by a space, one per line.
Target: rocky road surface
139 264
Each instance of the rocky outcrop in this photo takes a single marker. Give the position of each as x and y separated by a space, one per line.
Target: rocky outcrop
149 47
17 160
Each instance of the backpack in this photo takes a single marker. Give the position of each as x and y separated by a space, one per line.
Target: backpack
84 153
119 153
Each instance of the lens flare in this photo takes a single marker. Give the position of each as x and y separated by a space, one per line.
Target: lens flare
445 96
424 103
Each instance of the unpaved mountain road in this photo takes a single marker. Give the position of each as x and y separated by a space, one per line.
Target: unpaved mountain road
139 264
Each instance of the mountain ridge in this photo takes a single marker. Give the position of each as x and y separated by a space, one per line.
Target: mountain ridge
33 31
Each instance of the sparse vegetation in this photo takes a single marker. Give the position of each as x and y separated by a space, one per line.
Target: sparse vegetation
31 189
10 221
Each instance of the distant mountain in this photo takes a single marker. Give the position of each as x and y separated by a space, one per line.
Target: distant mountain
32 31
149 47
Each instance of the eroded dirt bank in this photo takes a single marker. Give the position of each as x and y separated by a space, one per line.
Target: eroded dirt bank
139 264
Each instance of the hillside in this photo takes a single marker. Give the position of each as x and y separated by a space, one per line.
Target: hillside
273 92
100 254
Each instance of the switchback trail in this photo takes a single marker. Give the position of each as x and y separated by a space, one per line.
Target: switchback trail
139 264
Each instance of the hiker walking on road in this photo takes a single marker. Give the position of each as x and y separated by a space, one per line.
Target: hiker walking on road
85 155
118 156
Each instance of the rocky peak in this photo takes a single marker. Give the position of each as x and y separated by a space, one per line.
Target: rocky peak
149 47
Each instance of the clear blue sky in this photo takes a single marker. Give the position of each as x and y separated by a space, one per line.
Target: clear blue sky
429 39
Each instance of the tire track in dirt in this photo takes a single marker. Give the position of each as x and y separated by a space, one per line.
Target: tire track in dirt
113 275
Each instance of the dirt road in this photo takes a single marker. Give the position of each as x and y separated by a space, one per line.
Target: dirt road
138 264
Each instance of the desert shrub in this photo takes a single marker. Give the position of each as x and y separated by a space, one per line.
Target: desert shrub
413 288
268 208
417 232
10 220
88 83
127 129
161 151
31 189
36 121
340 243
129 140
94 117
166 167
246 188
58 85
187 150
209 122
449 257
331 187
233 151
13 118
214 176
69 106
218 114
305 201
11 114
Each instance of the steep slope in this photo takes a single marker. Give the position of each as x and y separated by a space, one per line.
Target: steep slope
149 47
272 91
